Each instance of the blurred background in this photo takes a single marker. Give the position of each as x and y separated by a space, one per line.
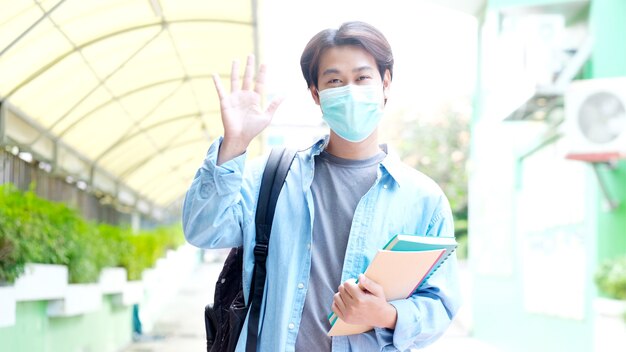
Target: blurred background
107 108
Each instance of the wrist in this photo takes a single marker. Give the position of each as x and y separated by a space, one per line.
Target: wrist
390 317
230 148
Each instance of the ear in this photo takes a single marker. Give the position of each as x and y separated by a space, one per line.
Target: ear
314 94
386 85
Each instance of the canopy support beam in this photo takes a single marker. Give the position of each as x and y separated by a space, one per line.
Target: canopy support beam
79 47
169 147
54 163
30 28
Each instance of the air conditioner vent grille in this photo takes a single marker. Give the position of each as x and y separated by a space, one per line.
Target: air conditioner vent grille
602 118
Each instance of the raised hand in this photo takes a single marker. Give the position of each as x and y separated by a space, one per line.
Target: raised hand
242 115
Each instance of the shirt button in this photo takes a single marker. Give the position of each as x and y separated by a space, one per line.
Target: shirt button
308 246
385 186
301 285
291 326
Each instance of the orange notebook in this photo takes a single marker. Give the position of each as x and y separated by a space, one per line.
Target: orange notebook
416 266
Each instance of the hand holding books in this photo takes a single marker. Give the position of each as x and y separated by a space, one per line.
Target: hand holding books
363 301
417 257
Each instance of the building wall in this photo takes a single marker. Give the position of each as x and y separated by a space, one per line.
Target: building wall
531 244
538 225
608 23
104 331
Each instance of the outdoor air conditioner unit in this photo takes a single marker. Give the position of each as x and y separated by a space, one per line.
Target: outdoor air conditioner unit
595 119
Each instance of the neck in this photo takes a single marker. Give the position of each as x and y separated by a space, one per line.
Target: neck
342 148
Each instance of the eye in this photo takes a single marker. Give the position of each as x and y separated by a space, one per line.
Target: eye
334 81
363 77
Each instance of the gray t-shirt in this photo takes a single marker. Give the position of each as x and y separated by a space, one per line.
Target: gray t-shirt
338 186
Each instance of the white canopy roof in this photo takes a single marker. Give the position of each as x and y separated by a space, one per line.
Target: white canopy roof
118 93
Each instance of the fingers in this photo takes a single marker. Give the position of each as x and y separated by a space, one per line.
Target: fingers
344 292
247 76
352 289
234 76
218 86
274 106
338 306
370 286
259 87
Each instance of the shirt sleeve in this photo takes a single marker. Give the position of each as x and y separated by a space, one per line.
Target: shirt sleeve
425 316
220 201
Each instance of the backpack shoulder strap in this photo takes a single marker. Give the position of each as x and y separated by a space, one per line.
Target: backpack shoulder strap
274 176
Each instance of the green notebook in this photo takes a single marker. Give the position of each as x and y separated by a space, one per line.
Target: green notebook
404 243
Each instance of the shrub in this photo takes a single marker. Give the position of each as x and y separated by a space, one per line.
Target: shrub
147 247
34 230
611 278
12 255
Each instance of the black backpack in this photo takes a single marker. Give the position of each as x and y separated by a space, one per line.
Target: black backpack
225 317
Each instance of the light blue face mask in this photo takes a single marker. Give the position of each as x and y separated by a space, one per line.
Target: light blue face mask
351 111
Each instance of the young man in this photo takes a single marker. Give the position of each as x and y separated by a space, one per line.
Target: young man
343 199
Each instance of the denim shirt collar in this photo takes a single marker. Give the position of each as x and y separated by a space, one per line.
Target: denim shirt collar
391 165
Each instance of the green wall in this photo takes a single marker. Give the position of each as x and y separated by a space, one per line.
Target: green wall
608 25
499 316
107 330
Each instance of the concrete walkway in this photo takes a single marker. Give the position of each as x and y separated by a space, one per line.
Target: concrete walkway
181 326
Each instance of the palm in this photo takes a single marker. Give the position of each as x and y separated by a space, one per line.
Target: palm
242 114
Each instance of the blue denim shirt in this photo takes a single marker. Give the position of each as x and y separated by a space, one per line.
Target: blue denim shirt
218 212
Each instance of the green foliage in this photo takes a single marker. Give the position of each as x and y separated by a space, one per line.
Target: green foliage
147 247
118 246
611 278
12 206
462 249
438 146
460 232
34 230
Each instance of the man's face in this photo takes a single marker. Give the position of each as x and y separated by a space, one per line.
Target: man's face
348 64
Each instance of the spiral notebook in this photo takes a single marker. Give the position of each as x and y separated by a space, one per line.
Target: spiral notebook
418 257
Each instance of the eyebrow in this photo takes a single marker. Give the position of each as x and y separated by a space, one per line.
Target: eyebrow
336 71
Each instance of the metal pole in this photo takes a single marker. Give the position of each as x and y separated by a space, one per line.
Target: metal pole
257 52
2 123
55 158
255 30
610 202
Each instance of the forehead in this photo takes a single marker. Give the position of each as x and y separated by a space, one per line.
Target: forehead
345 58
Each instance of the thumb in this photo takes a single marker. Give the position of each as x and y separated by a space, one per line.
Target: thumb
371 286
